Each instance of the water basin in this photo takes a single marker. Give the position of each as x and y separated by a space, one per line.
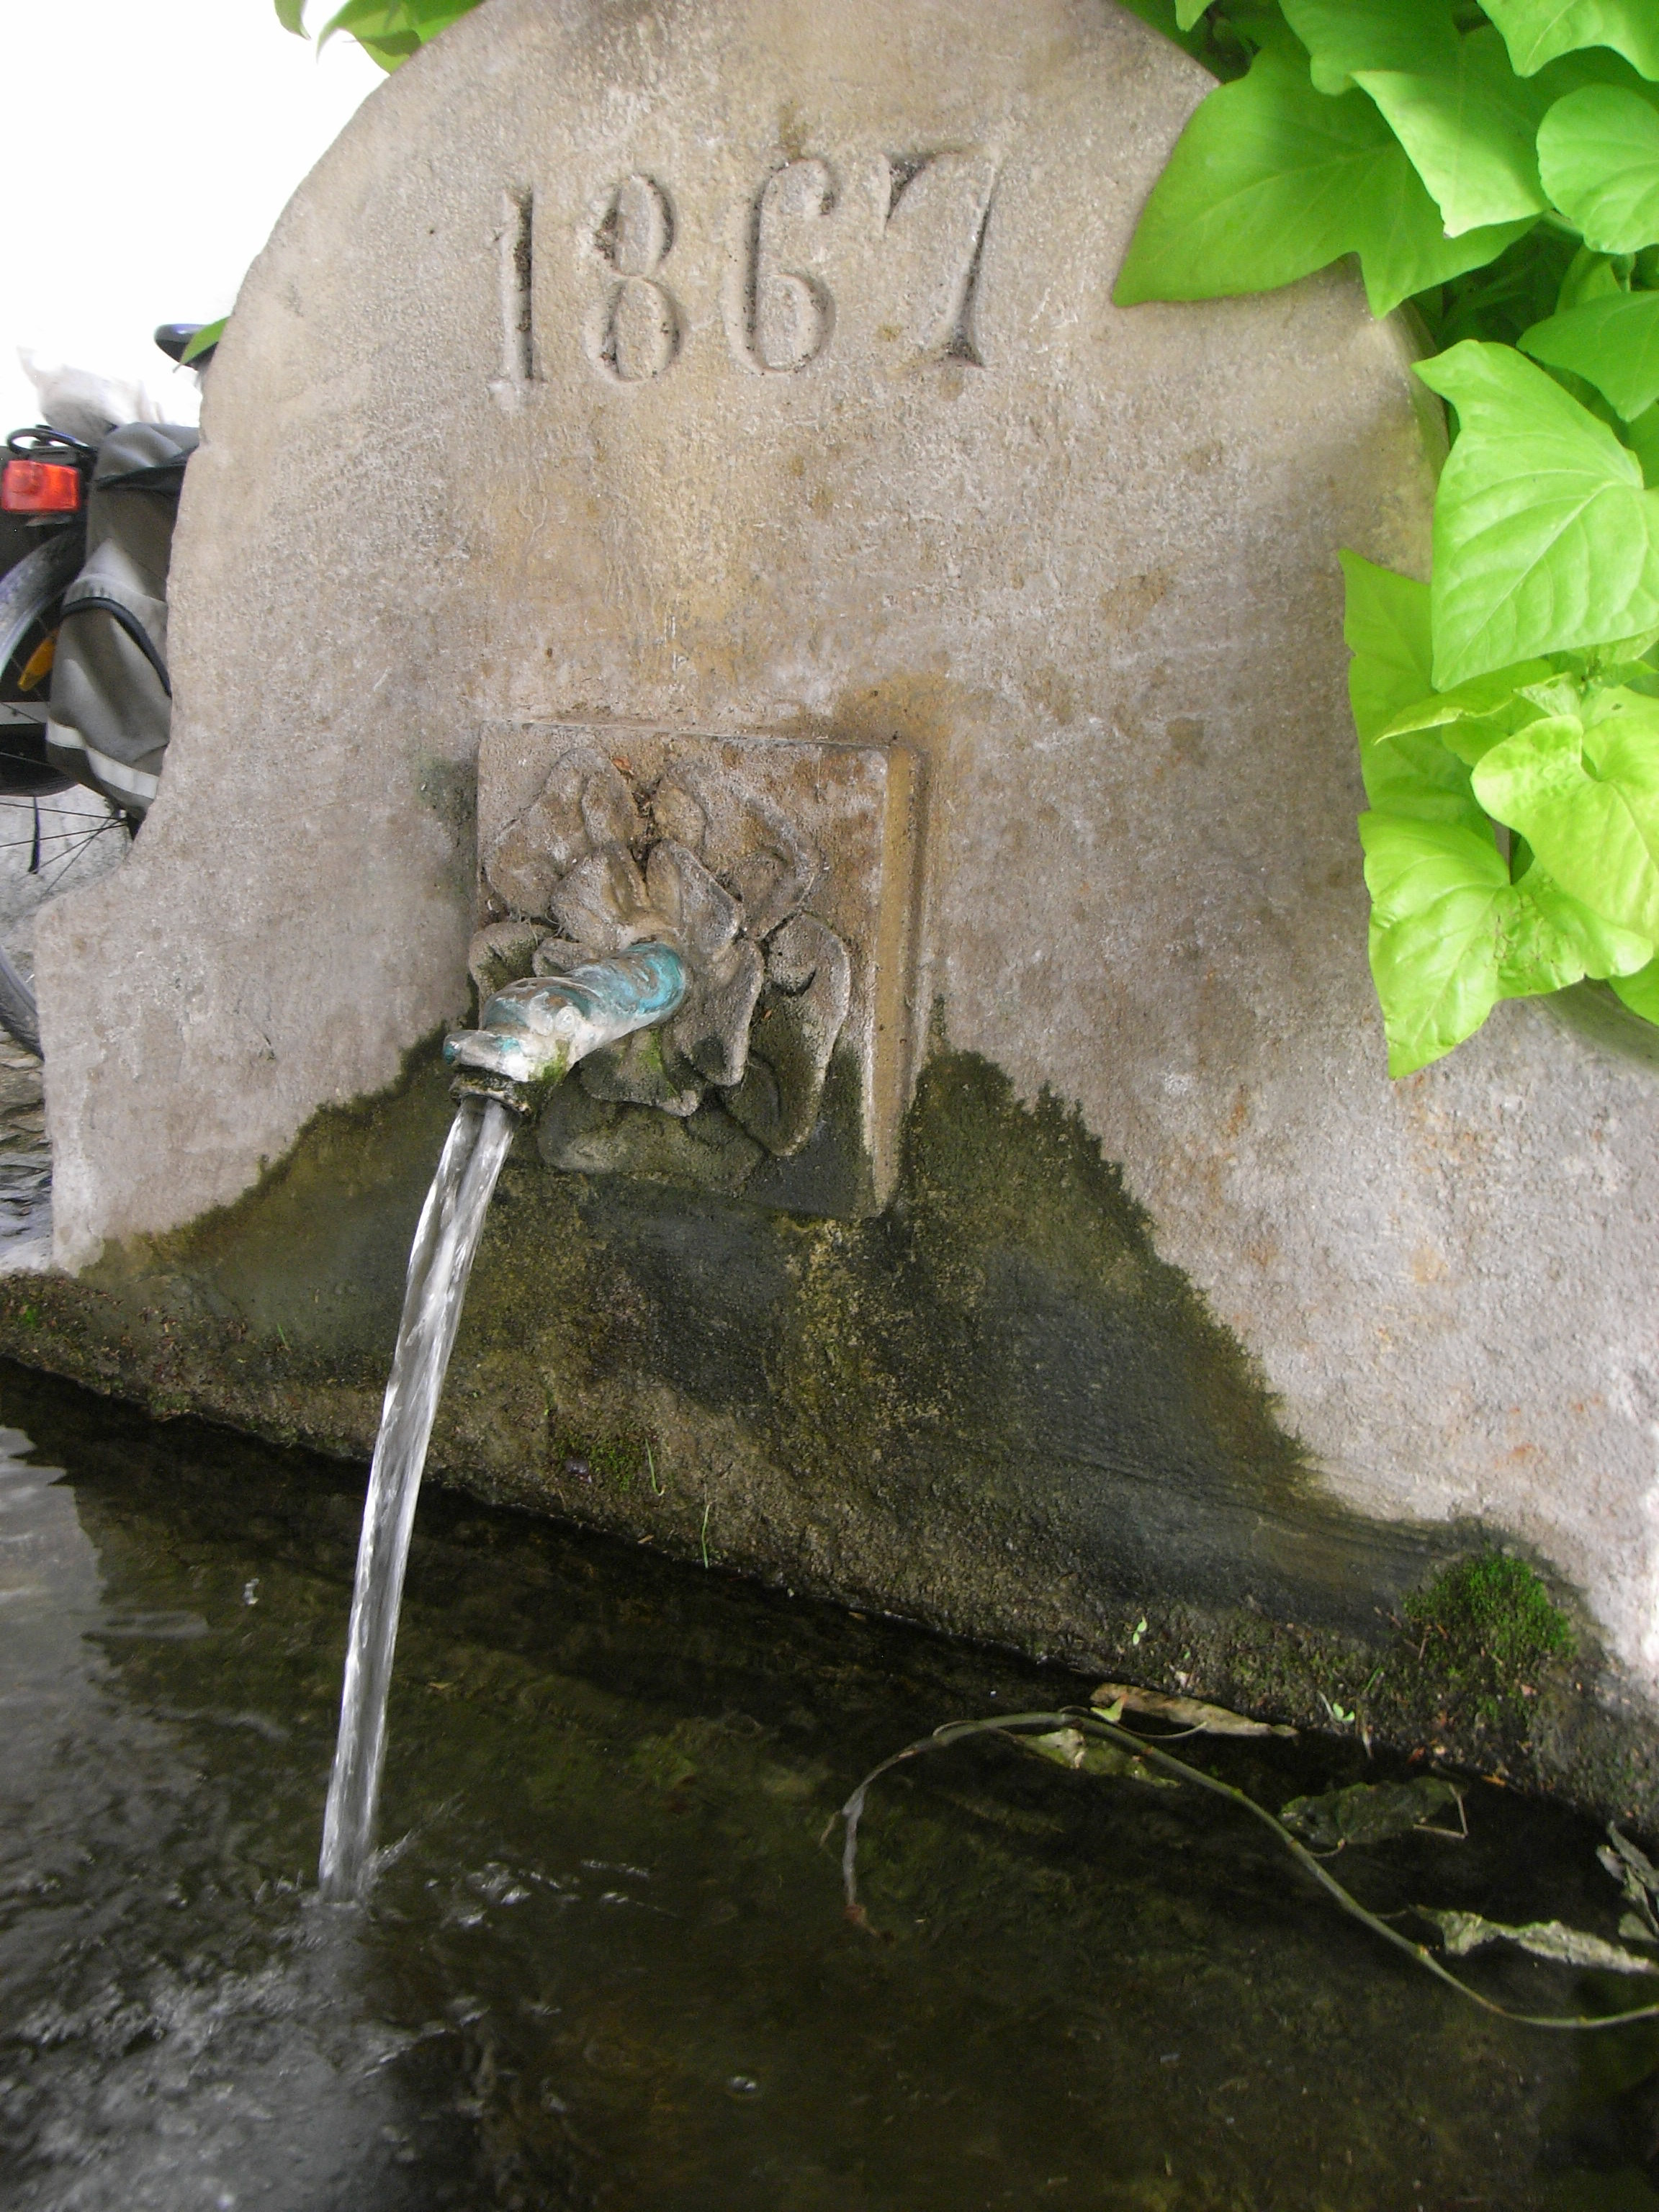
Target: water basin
605 1962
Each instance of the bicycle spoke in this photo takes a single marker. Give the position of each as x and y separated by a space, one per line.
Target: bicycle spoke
68 862
57 836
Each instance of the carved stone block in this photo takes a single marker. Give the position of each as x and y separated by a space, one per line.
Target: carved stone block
632 366
785 869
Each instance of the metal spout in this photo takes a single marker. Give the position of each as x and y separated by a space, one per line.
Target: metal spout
534 1031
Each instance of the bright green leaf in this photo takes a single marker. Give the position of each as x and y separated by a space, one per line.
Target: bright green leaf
1345 36
1420 779
290 14
1552 939
1270 180
1598 154
1470 129
1403 248
1470 718
1589 65
1621 660
1535 31
1440 895
1543 535
1642 437
1640 992
207 336
371 17
1386 624
1451 935
1613 343
1257 191
1190 12
390 31
1589 277
395 18
1160 17
1585 796
1386 628
390 53
375 24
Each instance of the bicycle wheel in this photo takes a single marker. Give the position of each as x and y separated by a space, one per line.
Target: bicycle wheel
31 602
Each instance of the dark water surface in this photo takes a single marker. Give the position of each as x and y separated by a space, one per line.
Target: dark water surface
607 1965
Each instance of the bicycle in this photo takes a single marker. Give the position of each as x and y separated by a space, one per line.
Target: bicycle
45 482
85 698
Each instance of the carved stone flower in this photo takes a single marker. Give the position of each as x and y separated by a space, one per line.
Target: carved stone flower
704 865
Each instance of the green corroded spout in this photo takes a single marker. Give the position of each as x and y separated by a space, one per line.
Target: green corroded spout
534 1031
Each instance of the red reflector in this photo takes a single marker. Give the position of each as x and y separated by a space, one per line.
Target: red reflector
39 487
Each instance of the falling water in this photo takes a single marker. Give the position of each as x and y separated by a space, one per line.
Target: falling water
533 1031
439 1265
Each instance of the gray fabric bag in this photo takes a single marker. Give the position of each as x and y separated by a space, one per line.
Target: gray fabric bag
112 703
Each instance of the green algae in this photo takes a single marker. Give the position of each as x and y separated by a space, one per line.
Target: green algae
992 1407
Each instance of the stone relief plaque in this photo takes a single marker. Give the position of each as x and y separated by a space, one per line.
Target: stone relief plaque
782 868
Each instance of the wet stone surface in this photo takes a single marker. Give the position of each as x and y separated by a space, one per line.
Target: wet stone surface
607 1963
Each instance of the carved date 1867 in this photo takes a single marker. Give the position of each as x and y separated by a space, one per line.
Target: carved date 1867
925 217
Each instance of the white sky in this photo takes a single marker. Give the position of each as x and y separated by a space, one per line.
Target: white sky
166 137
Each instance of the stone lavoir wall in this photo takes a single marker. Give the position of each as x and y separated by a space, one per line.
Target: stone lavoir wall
749 368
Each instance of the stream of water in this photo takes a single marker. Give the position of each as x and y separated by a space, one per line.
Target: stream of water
440 1262
534 1029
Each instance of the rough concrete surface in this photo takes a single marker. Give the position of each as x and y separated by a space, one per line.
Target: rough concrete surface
750 367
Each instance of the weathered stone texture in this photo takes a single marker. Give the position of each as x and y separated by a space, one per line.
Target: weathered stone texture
622 363
803 939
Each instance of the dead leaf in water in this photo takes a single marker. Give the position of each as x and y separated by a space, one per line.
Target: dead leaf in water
1083 1754
1636 1875
1463 1932
1372 1812
1184 1713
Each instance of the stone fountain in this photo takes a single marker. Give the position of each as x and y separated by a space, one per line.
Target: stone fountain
685 462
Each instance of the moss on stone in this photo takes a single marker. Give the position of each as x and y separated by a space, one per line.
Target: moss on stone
993 1408
1488 1632
618 1462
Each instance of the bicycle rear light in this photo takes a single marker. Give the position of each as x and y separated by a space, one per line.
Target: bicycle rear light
39 487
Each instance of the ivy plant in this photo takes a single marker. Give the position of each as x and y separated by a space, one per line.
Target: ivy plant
1495 168
388 30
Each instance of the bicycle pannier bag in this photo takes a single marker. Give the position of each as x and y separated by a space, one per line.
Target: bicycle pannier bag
111 701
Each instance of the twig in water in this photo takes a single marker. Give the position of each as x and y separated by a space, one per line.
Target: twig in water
1081 1717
